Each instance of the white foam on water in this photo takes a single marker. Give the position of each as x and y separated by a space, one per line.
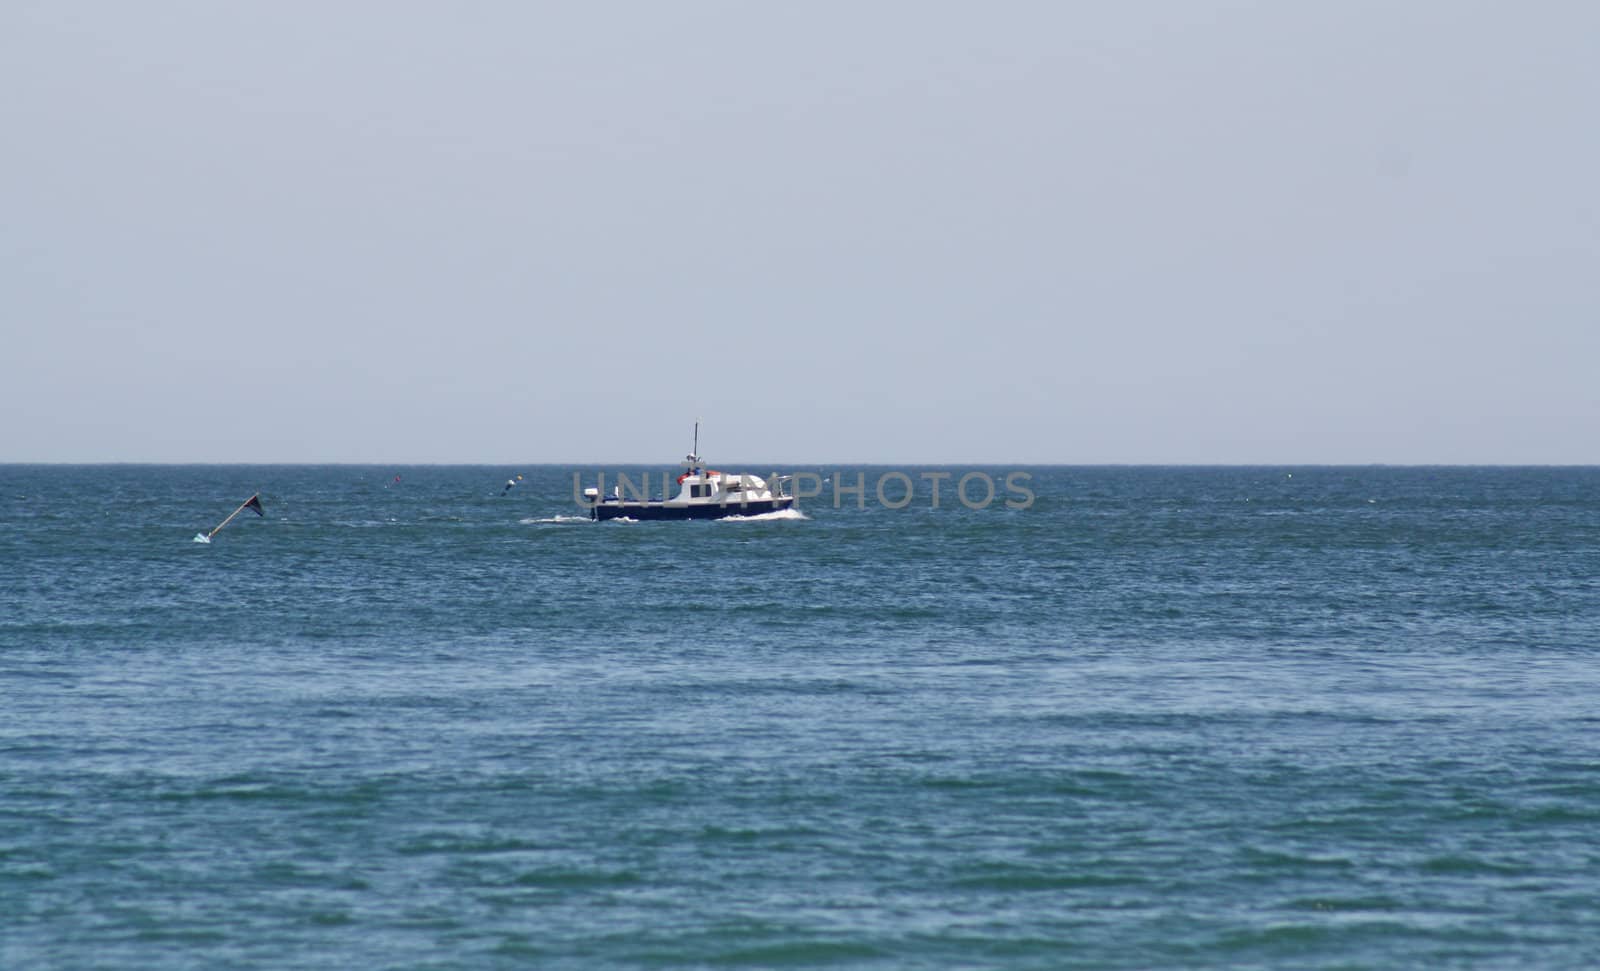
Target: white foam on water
766 517
622 519
555 519
201 538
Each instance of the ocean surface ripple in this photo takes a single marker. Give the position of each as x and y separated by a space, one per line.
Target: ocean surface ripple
1164 717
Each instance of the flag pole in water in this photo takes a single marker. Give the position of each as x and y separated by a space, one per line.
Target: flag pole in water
254 502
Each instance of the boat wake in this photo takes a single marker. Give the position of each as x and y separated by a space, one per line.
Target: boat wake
554 519
766 517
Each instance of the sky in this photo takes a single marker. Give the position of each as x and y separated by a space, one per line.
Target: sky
891 232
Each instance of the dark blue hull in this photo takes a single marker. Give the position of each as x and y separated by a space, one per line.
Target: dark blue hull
613 509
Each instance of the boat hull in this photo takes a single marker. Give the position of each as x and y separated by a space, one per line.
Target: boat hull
643 511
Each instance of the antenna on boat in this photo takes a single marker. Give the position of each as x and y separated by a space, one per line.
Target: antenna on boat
693 458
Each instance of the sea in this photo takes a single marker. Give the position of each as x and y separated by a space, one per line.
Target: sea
413 717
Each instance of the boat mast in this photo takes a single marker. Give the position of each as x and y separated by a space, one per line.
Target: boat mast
692 460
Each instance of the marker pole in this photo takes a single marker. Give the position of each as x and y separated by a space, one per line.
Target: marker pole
232 514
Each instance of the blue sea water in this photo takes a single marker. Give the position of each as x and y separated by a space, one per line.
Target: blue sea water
1164 717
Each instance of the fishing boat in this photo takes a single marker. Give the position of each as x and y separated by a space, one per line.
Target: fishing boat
702 494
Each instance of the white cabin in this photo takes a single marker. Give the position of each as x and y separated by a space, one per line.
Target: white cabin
697 485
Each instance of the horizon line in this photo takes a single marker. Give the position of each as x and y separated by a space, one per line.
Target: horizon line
834 464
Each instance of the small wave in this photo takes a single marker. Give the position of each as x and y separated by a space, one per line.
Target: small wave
563 878
554 519
766 517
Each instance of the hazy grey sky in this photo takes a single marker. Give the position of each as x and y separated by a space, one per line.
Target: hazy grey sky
895 232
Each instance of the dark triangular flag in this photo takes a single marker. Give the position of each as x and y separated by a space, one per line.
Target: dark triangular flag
255 503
